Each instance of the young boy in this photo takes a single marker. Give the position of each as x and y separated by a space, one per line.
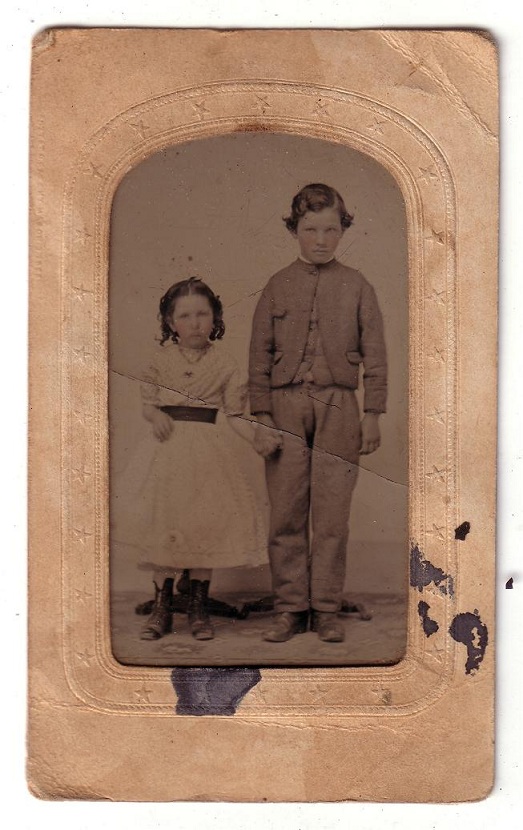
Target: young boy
315 322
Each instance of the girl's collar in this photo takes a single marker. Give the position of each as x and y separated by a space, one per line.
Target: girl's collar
193 355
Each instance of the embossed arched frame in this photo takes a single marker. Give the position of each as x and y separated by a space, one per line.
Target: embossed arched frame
409 154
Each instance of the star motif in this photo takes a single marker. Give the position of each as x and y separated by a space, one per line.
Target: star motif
143 695
140 128
82 596
437 531
81 535
188 374
377 127
427 175
437 653
384 695
437 296
414 67
319 694
82 354
321 108
438 354
85 657
437 475
95 171
83 418
81 235
80 292
261 695
200 109
437 237
262 103
436 416
80 474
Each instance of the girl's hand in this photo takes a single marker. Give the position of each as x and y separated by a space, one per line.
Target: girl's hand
370 433
268 440
162 425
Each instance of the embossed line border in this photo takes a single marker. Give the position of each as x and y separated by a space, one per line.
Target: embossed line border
426 182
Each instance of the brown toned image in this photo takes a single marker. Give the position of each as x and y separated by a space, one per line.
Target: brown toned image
263 415
195 498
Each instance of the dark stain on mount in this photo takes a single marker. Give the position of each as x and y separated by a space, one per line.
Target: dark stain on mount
430 626
461 532
473 633
212 690
423 572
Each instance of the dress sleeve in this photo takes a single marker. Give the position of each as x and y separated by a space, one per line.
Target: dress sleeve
235 393
149 387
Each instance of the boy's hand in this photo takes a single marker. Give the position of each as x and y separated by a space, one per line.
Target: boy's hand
370 433
162 425
268 440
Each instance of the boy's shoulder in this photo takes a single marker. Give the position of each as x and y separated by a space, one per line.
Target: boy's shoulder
349 273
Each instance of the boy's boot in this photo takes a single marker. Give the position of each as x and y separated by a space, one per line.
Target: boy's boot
286 624
201 627
161 620
328 626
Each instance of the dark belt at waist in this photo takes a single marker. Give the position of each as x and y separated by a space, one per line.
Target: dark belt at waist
191 413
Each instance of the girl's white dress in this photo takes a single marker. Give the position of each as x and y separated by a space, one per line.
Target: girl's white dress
186 502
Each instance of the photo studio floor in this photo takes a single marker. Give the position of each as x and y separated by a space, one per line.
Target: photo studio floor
380 640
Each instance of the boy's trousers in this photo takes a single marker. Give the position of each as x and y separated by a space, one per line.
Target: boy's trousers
314 473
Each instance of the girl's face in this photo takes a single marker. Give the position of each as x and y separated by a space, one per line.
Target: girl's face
318 235
192 321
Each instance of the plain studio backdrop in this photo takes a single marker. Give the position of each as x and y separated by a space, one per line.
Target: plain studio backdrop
213 208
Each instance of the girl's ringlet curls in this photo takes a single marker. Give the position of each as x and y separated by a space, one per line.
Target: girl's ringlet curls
193 285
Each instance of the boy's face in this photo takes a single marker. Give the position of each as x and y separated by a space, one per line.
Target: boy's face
318 235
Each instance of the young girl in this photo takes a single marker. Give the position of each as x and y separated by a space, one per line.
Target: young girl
192 507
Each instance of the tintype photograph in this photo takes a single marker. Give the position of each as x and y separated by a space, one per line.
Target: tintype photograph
263 414
258 388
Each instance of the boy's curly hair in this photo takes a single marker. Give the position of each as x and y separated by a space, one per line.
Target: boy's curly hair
316 197
194 285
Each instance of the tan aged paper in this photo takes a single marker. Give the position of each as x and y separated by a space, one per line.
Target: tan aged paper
160 155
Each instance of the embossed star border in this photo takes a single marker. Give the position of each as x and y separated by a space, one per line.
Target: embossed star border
418 165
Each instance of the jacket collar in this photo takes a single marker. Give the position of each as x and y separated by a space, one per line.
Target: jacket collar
311 268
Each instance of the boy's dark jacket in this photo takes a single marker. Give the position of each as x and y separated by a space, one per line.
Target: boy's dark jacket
349 321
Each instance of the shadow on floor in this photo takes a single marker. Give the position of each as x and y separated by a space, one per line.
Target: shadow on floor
379 641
